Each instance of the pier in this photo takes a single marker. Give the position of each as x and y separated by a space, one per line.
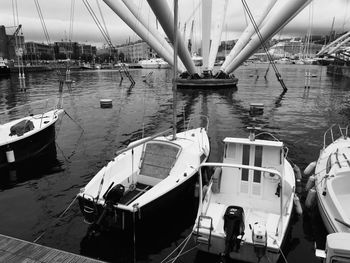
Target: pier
13 250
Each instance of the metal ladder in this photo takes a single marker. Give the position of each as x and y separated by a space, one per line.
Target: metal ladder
201 239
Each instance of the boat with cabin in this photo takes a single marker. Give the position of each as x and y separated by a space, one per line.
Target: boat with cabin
245 211
154 63
4 68
332 180
337 248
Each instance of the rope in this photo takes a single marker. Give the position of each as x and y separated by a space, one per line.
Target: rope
188 250
58 218
279 248
183 242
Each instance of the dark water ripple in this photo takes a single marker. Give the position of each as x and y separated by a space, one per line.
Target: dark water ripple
34 196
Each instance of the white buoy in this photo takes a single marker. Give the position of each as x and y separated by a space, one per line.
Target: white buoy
310 183
310 168
297 205
106 103
310 199
216 180
10 156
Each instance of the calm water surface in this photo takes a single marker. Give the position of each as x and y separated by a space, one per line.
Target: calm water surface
33 197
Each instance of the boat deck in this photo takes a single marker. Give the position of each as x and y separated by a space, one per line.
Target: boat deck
13 250
132 195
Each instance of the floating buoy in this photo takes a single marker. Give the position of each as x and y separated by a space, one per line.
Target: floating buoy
310 168
310 199
310 182
216 180
297 205
10 155
106 103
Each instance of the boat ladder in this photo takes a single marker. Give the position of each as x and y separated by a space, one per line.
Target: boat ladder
343 131
203 224
127 73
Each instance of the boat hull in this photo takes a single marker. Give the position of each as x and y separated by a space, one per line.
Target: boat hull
155 213
27 147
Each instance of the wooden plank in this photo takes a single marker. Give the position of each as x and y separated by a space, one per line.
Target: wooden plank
13 250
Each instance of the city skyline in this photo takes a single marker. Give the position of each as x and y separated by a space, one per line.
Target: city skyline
57 18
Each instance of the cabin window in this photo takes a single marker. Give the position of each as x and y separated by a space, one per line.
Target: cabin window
245 161
230 151
258 162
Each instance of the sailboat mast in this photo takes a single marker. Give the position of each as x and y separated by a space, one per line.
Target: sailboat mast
175 67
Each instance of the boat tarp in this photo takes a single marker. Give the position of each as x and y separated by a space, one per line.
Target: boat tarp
21 128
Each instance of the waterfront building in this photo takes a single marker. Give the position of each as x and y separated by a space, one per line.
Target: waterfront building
8 44
135 51
38 51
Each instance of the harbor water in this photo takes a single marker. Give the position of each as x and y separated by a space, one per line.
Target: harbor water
34 195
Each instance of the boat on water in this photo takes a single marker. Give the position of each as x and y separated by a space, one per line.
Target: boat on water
154 63
150 175
4 68
24 138
246 208
337 248
149 180
332 180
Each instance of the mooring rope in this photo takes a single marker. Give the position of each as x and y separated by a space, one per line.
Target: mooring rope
183 242
58 218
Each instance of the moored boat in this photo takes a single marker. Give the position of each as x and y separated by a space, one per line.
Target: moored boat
332 180
23 138
151 175
4 68
246 209
154 63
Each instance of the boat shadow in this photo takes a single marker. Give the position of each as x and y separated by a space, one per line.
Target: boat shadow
44 163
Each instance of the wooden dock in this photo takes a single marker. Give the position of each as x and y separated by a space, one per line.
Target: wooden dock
13 250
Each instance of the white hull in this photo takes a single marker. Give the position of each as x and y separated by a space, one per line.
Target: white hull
245 184
154 64
332 174
147 171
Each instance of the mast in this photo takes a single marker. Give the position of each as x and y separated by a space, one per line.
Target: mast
246 35
282 14
217 37
175 66
165 17
122 11
206 26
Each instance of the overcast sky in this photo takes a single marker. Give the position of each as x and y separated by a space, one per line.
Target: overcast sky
57 17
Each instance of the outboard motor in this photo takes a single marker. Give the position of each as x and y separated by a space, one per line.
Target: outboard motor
233 227
114 195
259 238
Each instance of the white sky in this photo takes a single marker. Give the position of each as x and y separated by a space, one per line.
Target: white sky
57 16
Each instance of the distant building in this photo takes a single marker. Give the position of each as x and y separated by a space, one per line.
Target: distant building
36 51
8 44
73 50
136 51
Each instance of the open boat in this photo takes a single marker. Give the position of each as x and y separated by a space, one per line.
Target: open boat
26 137
332 180
149 176
246 209
146 182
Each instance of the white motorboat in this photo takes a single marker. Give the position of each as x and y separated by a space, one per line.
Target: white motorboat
332 180
154 63
23 138
245 211
337 248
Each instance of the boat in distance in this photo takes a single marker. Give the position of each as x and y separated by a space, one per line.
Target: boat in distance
245 211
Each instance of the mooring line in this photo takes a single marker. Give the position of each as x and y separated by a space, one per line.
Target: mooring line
58 218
